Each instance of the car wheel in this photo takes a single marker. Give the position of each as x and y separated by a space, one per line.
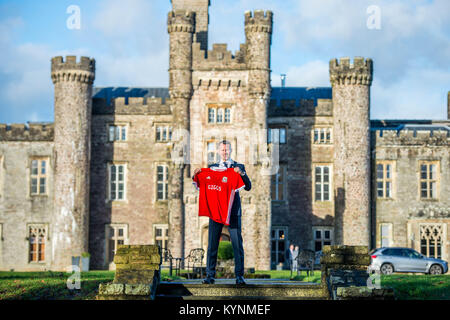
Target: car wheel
436 269
387 268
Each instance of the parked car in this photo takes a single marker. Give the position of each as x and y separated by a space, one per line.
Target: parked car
395 259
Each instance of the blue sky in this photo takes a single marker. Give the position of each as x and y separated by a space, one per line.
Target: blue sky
129 40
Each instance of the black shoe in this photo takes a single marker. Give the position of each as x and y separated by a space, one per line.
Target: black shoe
208 280
240 280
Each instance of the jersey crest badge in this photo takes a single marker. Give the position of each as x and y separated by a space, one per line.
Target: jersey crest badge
224 179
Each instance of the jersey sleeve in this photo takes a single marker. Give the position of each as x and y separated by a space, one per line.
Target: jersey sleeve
239 183
196 181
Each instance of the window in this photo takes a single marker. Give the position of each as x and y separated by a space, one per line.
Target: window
219 118
163 133
38 176
227 115
408 253
212 154
386 234
117 132
162 182
384 179
322 135
431 236
115 234
161 235
211 115
278 244
322 183
278 183
428 180
219 114
277 135
117 181
36 238
323 236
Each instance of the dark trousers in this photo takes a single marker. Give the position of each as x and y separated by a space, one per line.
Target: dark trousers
214 232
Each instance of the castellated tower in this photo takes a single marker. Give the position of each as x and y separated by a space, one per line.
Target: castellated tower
181 26
73 111
200 7
351 110
258 34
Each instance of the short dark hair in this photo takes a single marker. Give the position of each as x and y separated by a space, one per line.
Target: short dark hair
226 142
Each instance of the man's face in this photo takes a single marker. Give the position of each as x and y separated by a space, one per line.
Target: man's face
291 247
224 151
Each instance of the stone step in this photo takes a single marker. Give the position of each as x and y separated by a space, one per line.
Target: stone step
225 289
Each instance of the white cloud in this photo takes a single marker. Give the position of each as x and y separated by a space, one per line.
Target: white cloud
136 37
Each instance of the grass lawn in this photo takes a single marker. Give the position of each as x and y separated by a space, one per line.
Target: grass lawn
418 287
53 285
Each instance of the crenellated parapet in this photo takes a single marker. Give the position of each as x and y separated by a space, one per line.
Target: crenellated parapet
181 21
300 108
131 106
411 137
73 70
259 21
219 58
23 132
346 73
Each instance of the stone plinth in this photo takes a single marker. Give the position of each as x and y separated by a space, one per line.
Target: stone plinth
137 274
345 273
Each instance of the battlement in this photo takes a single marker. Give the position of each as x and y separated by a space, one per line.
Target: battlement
411 137
219 58
131 105
71 70
300 108
181 21
344 72
26 132
258 21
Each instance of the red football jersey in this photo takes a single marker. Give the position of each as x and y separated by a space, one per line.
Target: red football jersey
217 189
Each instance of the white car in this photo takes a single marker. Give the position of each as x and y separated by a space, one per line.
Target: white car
390 260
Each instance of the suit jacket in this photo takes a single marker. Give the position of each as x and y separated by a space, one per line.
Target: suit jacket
236 208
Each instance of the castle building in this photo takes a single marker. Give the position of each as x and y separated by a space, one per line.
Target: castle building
115 166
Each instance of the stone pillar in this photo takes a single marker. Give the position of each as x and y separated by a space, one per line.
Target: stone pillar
181 26
346 275
351 125
137 274
72 143
258 33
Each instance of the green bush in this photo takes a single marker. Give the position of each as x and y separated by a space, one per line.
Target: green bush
225 250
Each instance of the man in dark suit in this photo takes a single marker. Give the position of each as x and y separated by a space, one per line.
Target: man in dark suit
215 229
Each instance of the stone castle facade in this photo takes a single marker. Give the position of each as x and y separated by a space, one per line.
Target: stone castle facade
115 165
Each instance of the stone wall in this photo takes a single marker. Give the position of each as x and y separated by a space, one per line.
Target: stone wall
405 210
18 208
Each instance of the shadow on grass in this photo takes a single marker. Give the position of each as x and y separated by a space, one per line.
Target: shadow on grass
50 286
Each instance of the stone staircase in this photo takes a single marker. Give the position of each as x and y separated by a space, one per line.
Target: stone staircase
255 289
343 277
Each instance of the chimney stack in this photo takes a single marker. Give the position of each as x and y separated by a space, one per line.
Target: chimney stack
283 80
